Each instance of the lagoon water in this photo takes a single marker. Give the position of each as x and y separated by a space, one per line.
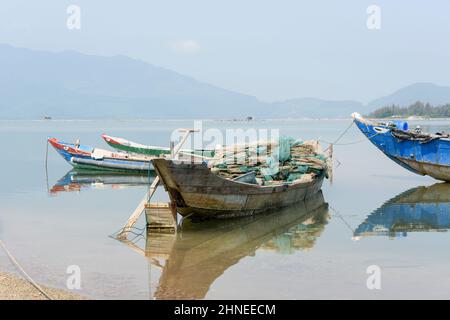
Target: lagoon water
294 254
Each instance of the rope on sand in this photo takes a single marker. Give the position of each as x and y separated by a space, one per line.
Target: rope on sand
25 274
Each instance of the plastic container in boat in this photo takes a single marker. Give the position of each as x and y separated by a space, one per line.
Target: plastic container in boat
401 125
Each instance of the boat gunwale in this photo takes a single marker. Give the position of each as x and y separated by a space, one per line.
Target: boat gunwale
370 122
237 184
122 144
127 143
61 145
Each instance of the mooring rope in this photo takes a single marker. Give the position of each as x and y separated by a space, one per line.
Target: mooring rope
20 268
335 143
46 155
46 167
337 213
343 133
351 142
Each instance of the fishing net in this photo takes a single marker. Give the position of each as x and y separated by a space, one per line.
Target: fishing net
412 136
282 161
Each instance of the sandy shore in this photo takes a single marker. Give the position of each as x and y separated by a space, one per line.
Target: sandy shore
15 288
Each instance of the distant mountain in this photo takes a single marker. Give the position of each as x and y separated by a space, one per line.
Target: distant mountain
318 108
425 92
73 85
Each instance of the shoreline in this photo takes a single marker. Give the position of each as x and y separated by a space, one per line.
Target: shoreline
13 287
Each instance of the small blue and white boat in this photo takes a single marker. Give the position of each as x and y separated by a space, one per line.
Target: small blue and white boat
421 153
90 158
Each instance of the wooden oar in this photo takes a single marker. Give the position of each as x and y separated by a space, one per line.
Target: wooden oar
141 207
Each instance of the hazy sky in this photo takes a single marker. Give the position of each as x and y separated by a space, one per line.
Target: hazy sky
271 49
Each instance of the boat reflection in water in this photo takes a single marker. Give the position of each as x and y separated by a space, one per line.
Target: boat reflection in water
76 180
421 209
200 252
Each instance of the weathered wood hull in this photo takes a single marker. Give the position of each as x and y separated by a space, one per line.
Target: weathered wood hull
437 171
196 191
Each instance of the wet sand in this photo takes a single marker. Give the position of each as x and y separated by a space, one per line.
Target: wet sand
15 288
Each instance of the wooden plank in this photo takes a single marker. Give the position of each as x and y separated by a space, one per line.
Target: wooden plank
159 217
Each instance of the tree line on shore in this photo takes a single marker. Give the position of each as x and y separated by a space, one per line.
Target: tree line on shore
418 109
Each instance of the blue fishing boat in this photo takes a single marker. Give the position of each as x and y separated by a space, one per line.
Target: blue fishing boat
89 158
416 151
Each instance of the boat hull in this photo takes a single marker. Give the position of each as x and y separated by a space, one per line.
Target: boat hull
198 192
81 157
439 172
430 158
133 147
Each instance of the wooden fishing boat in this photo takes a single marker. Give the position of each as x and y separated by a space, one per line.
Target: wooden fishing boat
418 152
195 190
122 144
90 158
421 209
77 180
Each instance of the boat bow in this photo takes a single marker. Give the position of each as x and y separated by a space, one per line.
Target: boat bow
420 153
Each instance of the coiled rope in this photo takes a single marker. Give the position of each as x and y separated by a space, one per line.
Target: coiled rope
25 274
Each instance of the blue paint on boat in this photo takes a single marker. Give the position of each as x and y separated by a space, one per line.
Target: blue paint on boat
82 156
426 157
421 209
68 155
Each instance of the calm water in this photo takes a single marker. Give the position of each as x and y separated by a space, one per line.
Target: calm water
317 250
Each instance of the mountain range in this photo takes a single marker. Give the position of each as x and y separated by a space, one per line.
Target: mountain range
73 85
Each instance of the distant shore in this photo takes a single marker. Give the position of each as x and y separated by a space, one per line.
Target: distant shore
243 121
15 288
412 118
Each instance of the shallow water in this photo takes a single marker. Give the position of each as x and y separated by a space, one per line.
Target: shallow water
301 253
